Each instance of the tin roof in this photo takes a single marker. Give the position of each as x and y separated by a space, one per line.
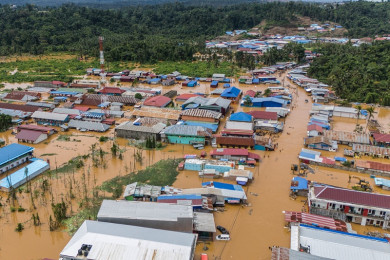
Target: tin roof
204 222
116 241
185 96
241 117
187 130
140 210
29 135
24 108
155 112
157 101
264 115
351 137
49 116
201 113
352 196
111 90
157 128
381 138
317 220
88 125
231 92
373 165
12 151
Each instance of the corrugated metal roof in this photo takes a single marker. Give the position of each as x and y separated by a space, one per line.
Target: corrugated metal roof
317 220
370 149
231 92
204 222
115 241
282 253
342 246
157 101
352 196
12 151
239 125
68 111
264 115
225 103
157 128
241 117
187 130
201 113
88 125
140 210
155 112
49 116
351 137
385 167
29 135
13 179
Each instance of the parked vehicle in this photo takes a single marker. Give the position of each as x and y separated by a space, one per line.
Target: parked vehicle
223 230
204 256
223 237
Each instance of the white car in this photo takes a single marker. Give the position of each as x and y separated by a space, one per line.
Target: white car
223 237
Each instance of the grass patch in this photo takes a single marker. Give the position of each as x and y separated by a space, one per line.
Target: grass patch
161 173
63 138
198 69
48 154
70 166
47 68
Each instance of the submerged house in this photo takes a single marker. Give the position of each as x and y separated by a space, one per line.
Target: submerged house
215 104
157 101
14 155
321 143
299 186
33 133
47 118
359 207
382 140
133 130
186 134
98 239
232 93
267 102
23 175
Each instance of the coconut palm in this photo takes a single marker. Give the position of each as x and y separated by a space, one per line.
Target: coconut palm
359 109
370 111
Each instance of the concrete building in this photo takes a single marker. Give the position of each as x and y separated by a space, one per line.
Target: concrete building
33 133
14 155
47 118
359 207
233 154
23 175
186 134
134 131
337 245
107 241
140 191
147 214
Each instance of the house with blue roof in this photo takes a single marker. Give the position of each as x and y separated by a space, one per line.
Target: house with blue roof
231 93
14 155
241 117
267 102
299 186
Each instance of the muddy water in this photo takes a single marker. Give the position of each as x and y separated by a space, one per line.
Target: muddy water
253 228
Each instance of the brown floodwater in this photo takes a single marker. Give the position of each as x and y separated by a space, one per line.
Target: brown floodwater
253 228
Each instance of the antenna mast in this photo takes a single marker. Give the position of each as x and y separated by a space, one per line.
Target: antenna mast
102 72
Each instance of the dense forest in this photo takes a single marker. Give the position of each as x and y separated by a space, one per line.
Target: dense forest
355 73
172 32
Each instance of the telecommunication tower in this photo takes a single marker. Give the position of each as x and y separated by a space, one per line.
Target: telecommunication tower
102 72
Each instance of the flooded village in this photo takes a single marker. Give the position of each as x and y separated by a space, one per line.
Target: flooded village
131 164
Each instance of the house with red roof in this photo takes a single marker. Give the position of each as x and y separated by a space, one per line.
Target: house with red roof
234 154
157 101
264 115
364 208
314 130
33 134
185 97
381 139
112 91
250 93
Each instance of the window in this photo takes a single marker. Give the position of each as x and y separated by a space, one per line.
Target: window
382 213
371 212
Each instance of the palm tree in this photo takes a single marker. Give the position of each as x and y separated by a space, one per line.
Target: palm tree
370 111
359 109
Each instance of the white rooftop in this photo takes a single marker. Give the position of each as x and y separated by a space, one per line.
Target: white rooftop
124 242
143 210
339 245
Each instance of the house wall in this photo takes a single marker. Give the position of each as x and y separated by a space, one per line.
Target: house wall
173 139
196 118
136 134
319 146
312 133
181 225
362 215
42 121
18 161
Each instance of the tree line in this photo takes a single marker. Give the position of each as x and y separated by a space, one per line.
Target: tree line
167 32
356 73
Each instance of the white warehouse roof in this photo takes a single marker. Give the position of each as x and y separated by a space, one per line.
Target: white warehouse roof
124 242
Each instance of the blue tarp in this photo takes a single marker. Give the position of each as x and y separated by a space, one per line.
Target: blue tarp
214 83
60 98
192 83
231 92
255 81
302 184
340 159
226 85
226 80
241 117
70 93
178 197
222 185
